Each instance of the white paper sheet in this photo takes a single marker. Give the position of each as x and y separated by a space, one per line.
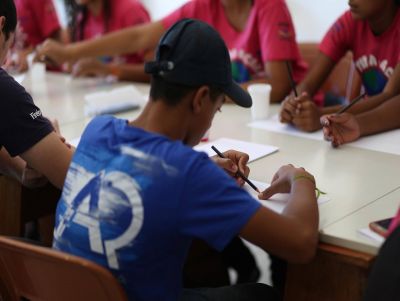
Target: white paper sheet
254 150
366 232
114 101
274 125
278 202
387 142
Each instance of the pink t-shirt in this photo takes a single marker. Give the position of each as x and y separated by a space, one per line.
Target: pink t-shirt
37 19
375 57
269 35
124 13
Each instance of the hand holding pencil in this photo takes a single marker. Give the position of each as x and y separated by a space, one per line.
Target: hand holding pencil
341 127
235 164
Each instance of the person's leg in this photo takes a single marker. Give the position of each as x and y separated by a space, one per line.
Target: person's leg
278 274
237 255
204 267
240 292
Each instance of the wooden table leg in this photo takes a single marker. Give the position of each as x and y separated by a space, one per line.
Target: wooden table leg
334 274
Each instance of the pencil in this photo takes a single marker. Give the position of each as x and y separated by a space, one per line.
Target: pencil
292 82
353 102
239 173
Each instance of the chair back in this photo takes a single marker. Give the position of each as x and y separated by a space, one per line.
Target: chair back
343 80
31 272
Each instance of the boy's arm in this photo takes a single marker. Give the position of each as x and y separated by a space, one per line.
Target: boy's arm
292 235
51 157
391 89
124 41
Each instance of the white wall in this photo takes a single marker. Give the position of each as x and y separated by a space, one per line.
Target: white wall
312 18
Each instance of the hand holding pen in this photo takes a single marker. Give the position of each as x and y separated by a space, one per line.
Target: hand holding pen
342 127
240 169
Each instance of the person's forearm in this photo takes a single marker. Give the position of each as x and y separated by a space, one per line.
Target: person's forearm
129 72
383 118
124 41
303 203
370 103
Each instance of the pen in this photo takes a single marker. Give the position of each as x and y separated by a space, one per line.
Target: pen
239 173
292 82
353 102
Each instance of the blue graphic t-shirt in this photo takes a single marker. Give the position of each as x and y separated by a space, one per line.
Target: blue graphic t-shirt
134 200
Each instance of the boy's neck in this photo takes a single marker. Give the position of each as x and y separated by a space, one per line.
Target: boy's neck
237 12
95 7
157 117
380 23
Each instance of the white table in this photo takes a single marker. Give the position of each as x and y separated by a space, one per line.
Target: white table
362 185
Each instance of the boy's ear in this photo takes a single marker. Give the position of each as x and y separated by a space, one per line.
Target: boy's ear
199 99
2 22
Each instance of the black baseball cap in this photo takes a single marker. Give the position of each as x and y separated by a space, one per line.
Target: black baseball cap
192 53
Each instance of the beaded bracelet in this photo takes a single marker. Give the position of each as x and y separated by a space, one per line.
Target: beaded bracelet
310 178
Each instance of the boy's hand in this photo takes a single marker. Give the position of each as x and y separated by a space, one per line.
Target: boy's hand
340 129
283 180
234 161
288 109
55 51
89 67
32 178
307 114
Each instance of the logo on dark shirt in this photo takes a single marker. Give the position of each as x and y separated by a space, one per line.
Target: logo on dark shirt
36 114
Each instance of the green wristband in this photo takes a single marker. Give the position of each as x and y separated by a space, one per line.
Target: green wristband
318 192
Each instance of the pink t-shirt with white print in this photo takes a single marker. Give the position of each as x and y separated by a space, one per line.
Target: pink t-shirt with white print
375 57
124 13
37 19
268 36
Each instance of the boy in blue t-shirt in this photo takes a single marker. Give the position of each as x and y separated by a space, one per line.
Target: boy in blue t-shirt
137 194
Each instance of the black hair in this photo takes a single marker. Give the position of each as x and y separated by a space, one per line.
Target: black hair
74 10
8 10
172 93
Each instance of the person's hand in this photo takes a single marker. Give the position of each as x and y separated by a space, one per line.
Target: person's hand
50 50
234 161
90 67
18 61
56 128
288 109
283 180
307 114
340 129
32 178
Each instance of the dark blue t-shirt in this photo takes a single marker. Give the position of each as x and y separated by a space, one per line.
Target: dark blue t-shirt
133 201
22 124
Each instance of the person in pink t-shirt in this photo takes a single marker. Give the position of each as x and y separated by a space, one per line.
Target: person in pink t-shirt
259 46
259 34
90 19
371 30
37 21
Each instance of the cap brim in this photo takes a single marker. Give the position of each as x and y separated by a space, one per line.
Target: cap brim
238 95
